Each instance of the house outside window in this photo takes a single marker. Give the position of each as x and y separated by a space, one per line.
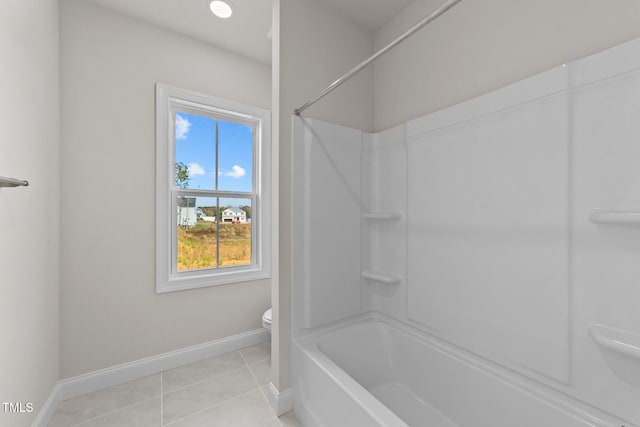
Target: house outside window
212 191
234 215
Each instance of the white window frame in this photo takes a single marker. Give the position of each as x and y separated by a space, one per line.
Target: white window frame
168 279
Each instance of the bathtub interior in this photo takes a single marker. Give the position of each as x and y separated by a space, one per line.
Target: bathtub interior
379 363
371 362
502 227
424 382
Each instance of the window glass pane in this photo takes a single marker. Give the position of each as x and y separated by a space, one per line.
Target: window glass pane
196 233
235 157
235 232
195 153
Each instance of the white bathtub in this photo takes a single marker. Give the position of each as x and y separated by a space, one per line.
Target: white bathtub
371 371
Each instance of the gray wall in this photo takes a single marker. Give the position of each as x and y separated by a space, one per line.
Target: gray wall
111 313
29 217
312 47
479 46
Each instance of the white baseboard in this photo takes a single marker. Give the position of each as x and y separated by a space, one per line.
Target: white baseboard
104 378
280 402
48 408
98 380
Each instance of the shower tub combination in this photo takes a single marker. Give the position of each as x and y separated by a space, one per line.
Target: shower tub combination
478 266
374 371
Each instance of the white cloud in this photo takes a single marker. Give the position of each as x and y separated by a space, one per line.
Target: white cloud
195 169
182 127
236 172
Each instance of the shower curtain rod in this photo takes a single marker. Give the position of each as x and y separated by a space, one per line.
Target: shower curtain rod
441 10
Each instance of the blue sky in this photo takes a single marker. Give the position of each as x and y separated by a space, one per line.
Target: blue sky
195 147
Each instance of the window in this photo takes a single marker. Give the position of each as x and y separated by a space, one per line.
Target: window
212 191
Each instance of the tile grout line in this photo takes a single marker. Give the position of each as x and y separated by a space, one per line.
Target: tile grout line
259 361
246 366
254 363
208 379
115 410
252 374
213 406
277 420
256 380
162 393
243 359
161 398
260 387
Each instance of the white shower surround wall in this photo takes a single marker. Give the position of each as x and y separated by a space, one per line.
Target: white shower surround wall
455 261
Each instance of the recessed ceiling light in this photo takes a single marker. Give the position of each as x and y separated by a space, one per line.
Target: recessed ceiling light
221 8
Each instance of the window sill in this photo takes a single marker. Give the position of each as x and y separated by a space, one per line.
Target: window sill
205 281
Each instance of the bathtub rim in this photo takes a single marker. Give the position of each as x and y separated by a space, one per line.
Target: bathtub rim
367 401
308 339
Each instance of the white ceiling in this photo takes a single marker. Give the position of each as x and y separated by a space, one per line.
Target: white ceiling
246 31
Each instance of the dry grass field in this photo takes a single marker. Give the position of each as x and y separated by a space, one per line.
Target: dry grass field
197 245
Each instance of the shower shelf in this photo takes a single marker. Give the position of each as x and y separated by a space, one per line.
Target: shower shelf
618 217
11 182
381 215
382 277
617 340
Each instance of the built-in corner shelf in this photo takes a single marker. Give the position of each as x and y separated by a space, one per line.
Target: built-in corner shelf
617 217
621 351
382 277
11 182
616 340
381 215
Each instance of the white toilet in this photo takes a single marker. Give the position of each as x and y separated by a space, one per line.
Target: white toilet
266 320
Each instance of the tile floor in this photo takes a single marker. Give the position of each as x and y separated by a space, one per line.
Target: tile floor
223 391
